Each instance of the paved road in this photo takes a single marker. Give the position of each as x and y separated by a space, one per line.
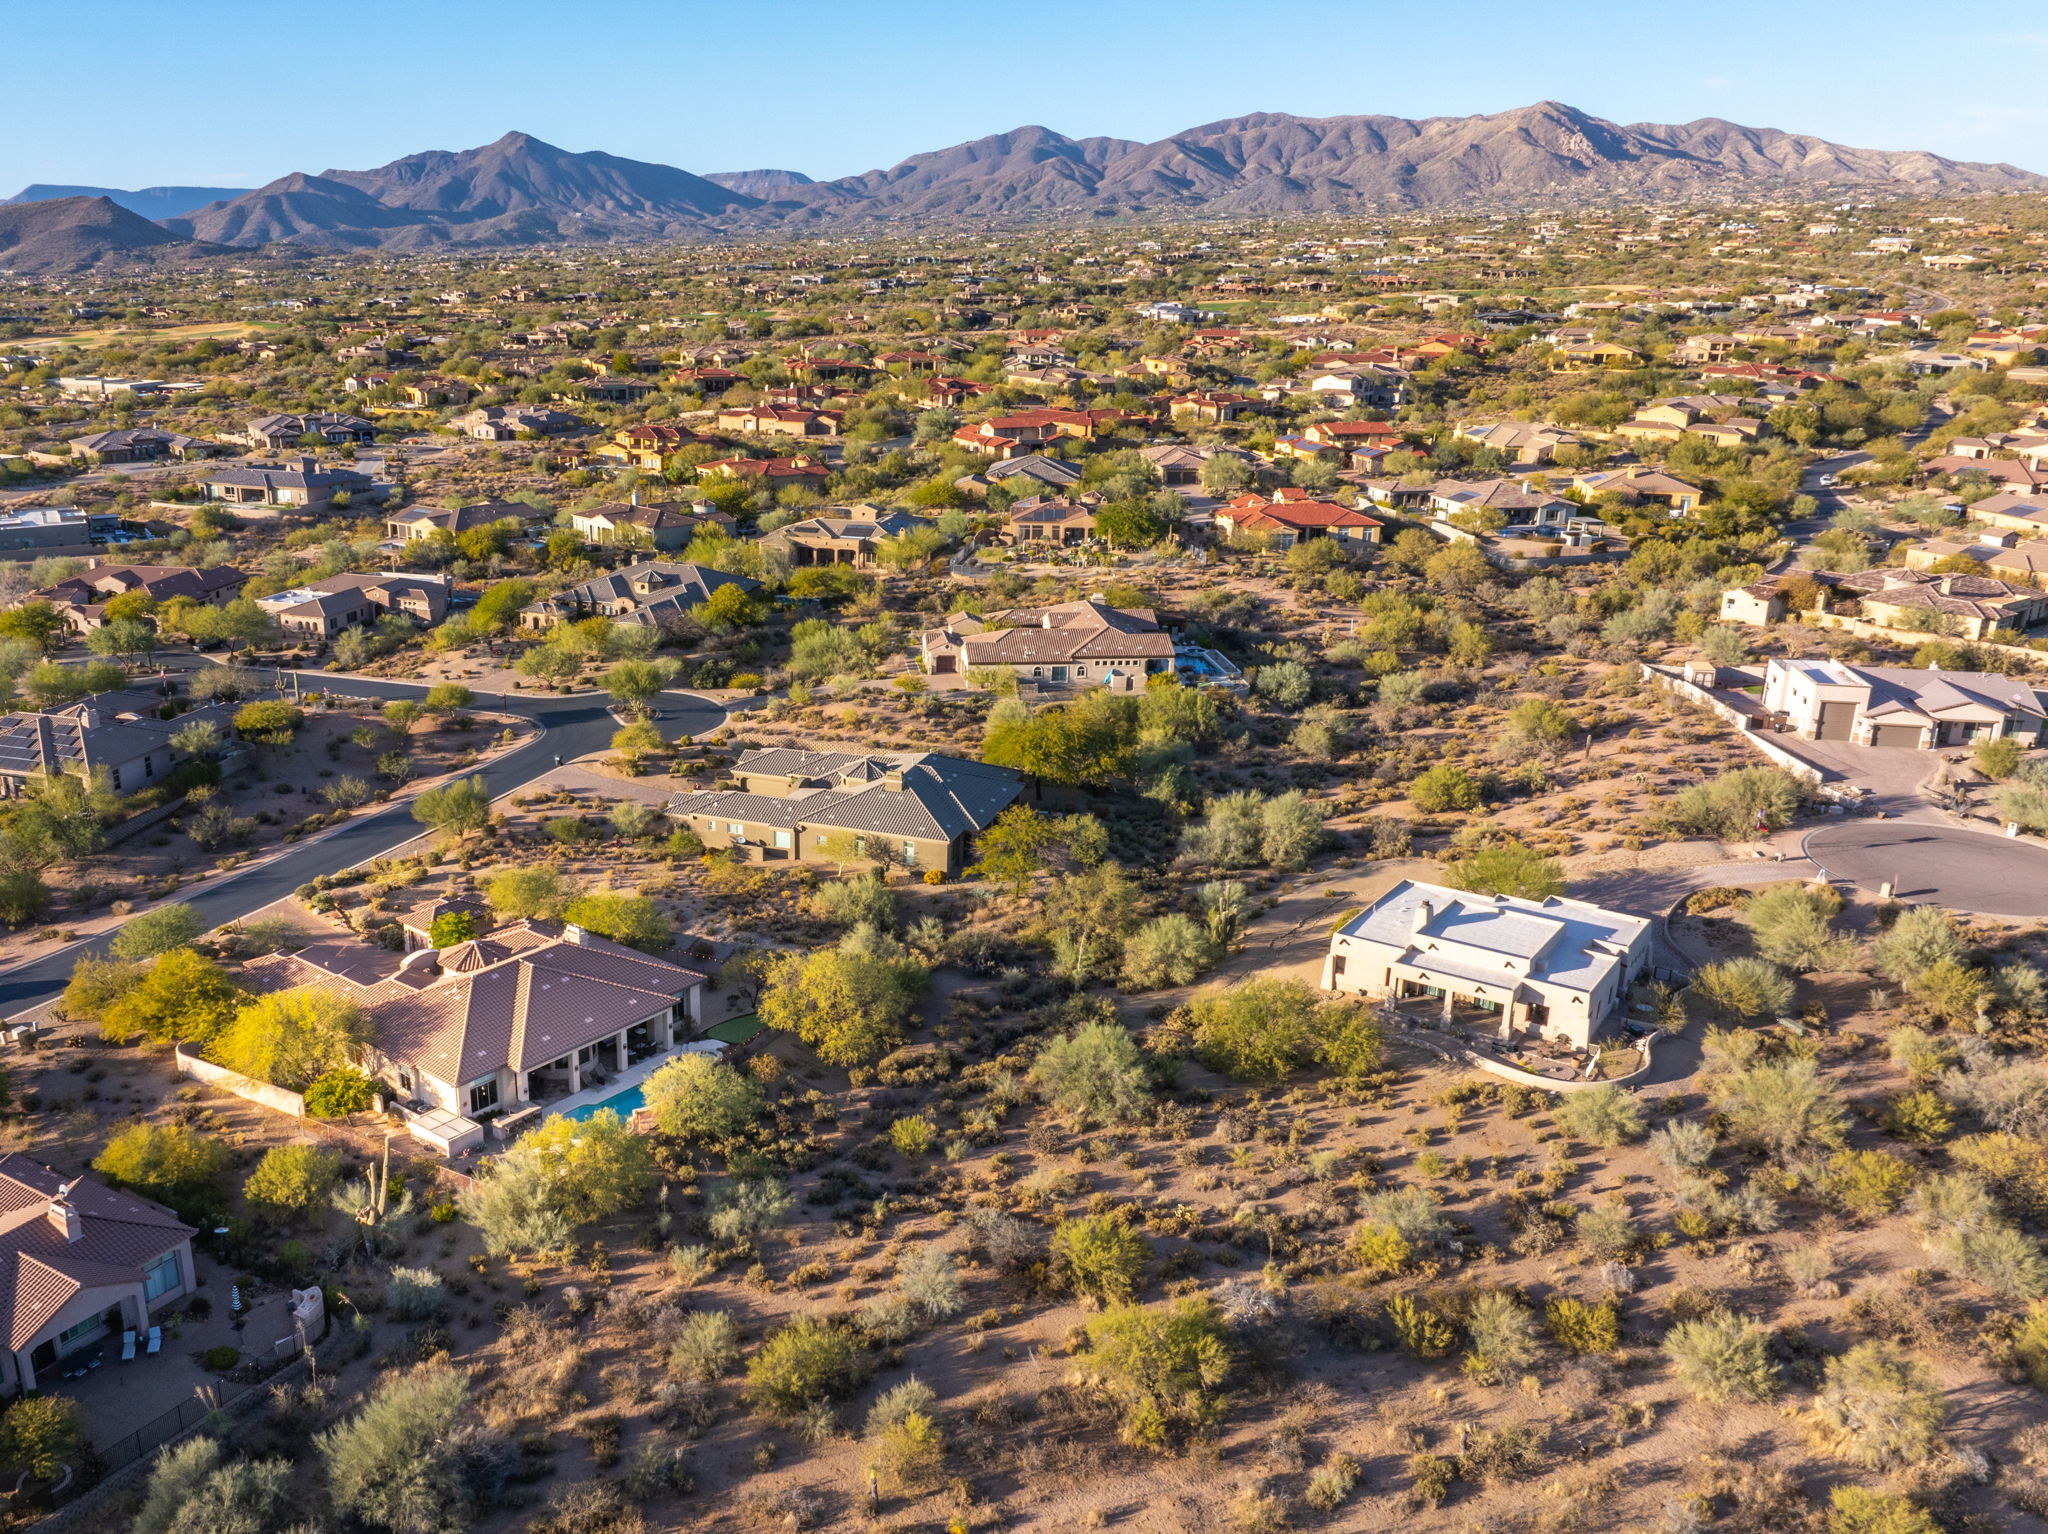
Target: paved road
572 727
1977 871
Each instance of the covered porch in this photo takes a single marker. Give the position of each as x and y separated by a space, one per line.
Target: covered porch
1465 1007
604 1061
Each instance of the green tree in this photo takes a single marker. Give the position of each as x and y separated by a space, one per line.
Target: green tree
1781 1106
459 809
1168 950
1256 1030
1507 868
633 684
269 724
1793 925
1013 847
396 1464
1162 1366
562 1174
403 713
41 1434
450 928
633 920
1603 1115
538 894
292 1182
848 1008
805 1362
183 997
153 932
1540 726
448 698
1444 787
291 1038
167 1162
1722 1358
1094 1075
701 1099
36 623
1100 1257
1745 988
498 608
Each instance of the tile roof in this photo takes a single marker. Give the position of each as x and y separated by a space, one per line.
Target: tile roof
941 796
40 1270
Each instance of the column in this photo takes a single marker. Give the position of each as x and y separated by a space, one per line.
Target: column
1447 1007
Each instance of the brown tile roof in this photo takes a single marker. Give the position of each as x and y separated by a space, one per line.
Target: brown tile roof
40 1270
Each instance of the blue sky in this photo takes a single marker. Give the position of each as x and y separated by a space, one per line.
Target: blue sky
228 92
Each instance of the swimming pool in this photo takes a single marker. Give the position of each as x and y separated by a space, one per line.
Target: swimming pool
622 1103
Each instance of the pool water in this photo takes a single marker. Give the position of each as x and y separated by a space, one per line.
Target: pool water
622 1104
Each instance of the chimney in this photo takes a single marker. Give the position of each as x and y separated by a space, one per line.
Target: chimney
1419 923
63 1215
571 933
893 780
1045 620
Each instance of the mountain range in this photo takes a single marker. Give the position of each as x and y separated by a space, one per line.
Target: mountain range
521 191
150 201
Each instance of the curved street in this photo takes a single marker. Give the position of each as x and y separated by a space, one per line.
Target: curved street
570 727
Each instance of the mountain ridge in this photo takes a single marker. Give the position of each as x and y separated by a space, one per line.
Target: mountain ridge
152 202
520 190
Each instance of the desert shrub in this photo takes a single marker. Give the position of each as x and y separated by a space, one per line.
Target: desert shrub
1100 1257
1868 1183
862 899
903 1435
40 1434
806 1361
292 1182
701 1099
706 1347
2030 1344
1162 1366
1884 1407
1781 1106
1093 1075
1919 1117
565 1173
1430 1477
337 1093
1584 1328
1256 1030
1419 1328
1500 1336
911 1135
415 1294
1958 1222
1922 937
1722 1358
1607 1233
1332 1483
1168 950
1745 989
167 1162
927 1279
153 932
1444 787
394 1464
1683 1145
1732 805
1794 925
1858 1510
1603 1115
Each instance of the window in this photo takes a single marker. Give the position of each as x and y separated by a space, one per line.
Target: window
483 1095
910 854
1337 965
734 828
161 1277
782 840
92 1326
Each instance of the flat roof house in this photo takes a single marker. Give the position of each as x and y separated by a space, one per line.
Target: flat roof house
1898 706
80 1263
1553 968
917 809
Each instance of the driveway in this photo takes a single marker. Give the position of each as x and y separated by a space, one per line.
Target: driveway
571 726
1892 774
1932 864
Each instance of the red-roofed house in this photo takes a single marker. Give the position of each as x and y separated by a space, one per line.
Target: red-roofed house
1293 517
80 1263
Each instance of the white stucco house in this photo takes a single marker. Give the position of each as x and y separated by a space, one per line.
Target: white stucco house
1554 968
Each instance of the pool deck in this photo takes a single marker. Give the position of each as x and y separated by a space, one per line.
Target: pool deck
627 1079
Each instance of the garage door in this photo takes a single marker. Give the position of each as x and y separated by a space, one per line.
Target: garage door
1837 720
1907 735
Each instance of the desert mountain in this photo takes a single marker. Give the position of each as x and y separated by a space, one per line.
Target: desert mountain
157 202
71 234
758 183
521 191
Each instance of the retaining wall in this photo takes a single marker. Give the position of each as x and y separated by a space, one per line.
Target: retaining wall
1692 692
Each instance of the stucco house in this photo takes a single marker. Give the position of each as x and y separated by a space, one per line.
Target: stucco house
919 810
80 1263
1553 968
1086 643
1898 706
518 1017
652 594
